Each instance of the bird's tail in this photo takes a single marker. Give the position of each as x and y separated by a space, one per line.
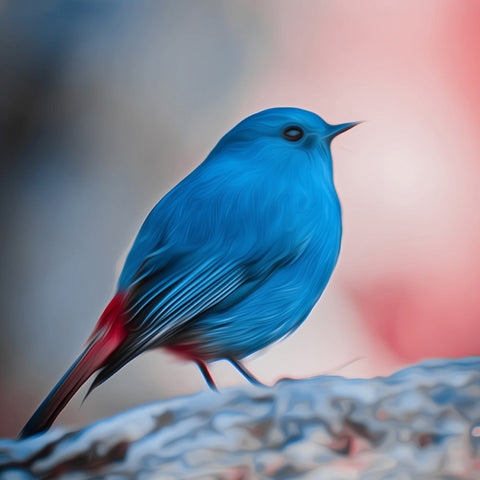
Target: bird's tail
108 334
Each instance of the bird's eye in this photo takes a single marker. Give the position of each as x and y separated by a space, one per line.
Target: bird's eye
292 133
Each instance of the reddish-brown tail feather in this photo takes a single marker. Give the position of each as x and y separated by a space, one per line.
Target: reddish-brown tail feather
108 334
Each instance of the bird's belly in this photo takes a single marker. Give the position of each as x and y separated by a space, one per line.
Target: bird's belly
274 309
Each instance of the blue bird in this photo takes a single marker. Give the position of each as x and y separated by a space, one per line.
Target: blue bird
232 259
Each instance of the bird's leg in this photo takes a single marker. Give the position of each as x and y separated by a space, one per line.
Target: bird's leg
206 375
246 373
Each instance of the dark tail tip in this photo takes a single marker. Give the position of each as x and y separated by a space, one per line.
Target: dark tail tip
34 426
58 398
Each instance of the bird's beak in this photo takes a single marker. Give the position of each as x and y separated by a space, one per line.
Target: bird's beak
334 130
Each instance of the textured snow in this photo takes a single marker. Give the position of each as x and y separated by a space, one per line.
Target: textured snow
422 422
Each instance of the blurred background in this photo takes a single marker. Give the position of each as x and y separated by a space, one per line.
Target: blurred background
104 106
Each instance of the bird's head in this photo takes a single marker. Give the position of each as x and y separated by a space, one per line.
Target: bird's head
284 127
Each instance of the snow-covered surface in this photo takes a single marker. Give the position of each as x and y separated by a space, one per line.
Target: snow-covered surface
419 423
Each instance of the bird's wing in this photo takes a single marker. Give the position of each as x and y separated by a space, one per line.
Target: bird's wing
163 300
165 297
